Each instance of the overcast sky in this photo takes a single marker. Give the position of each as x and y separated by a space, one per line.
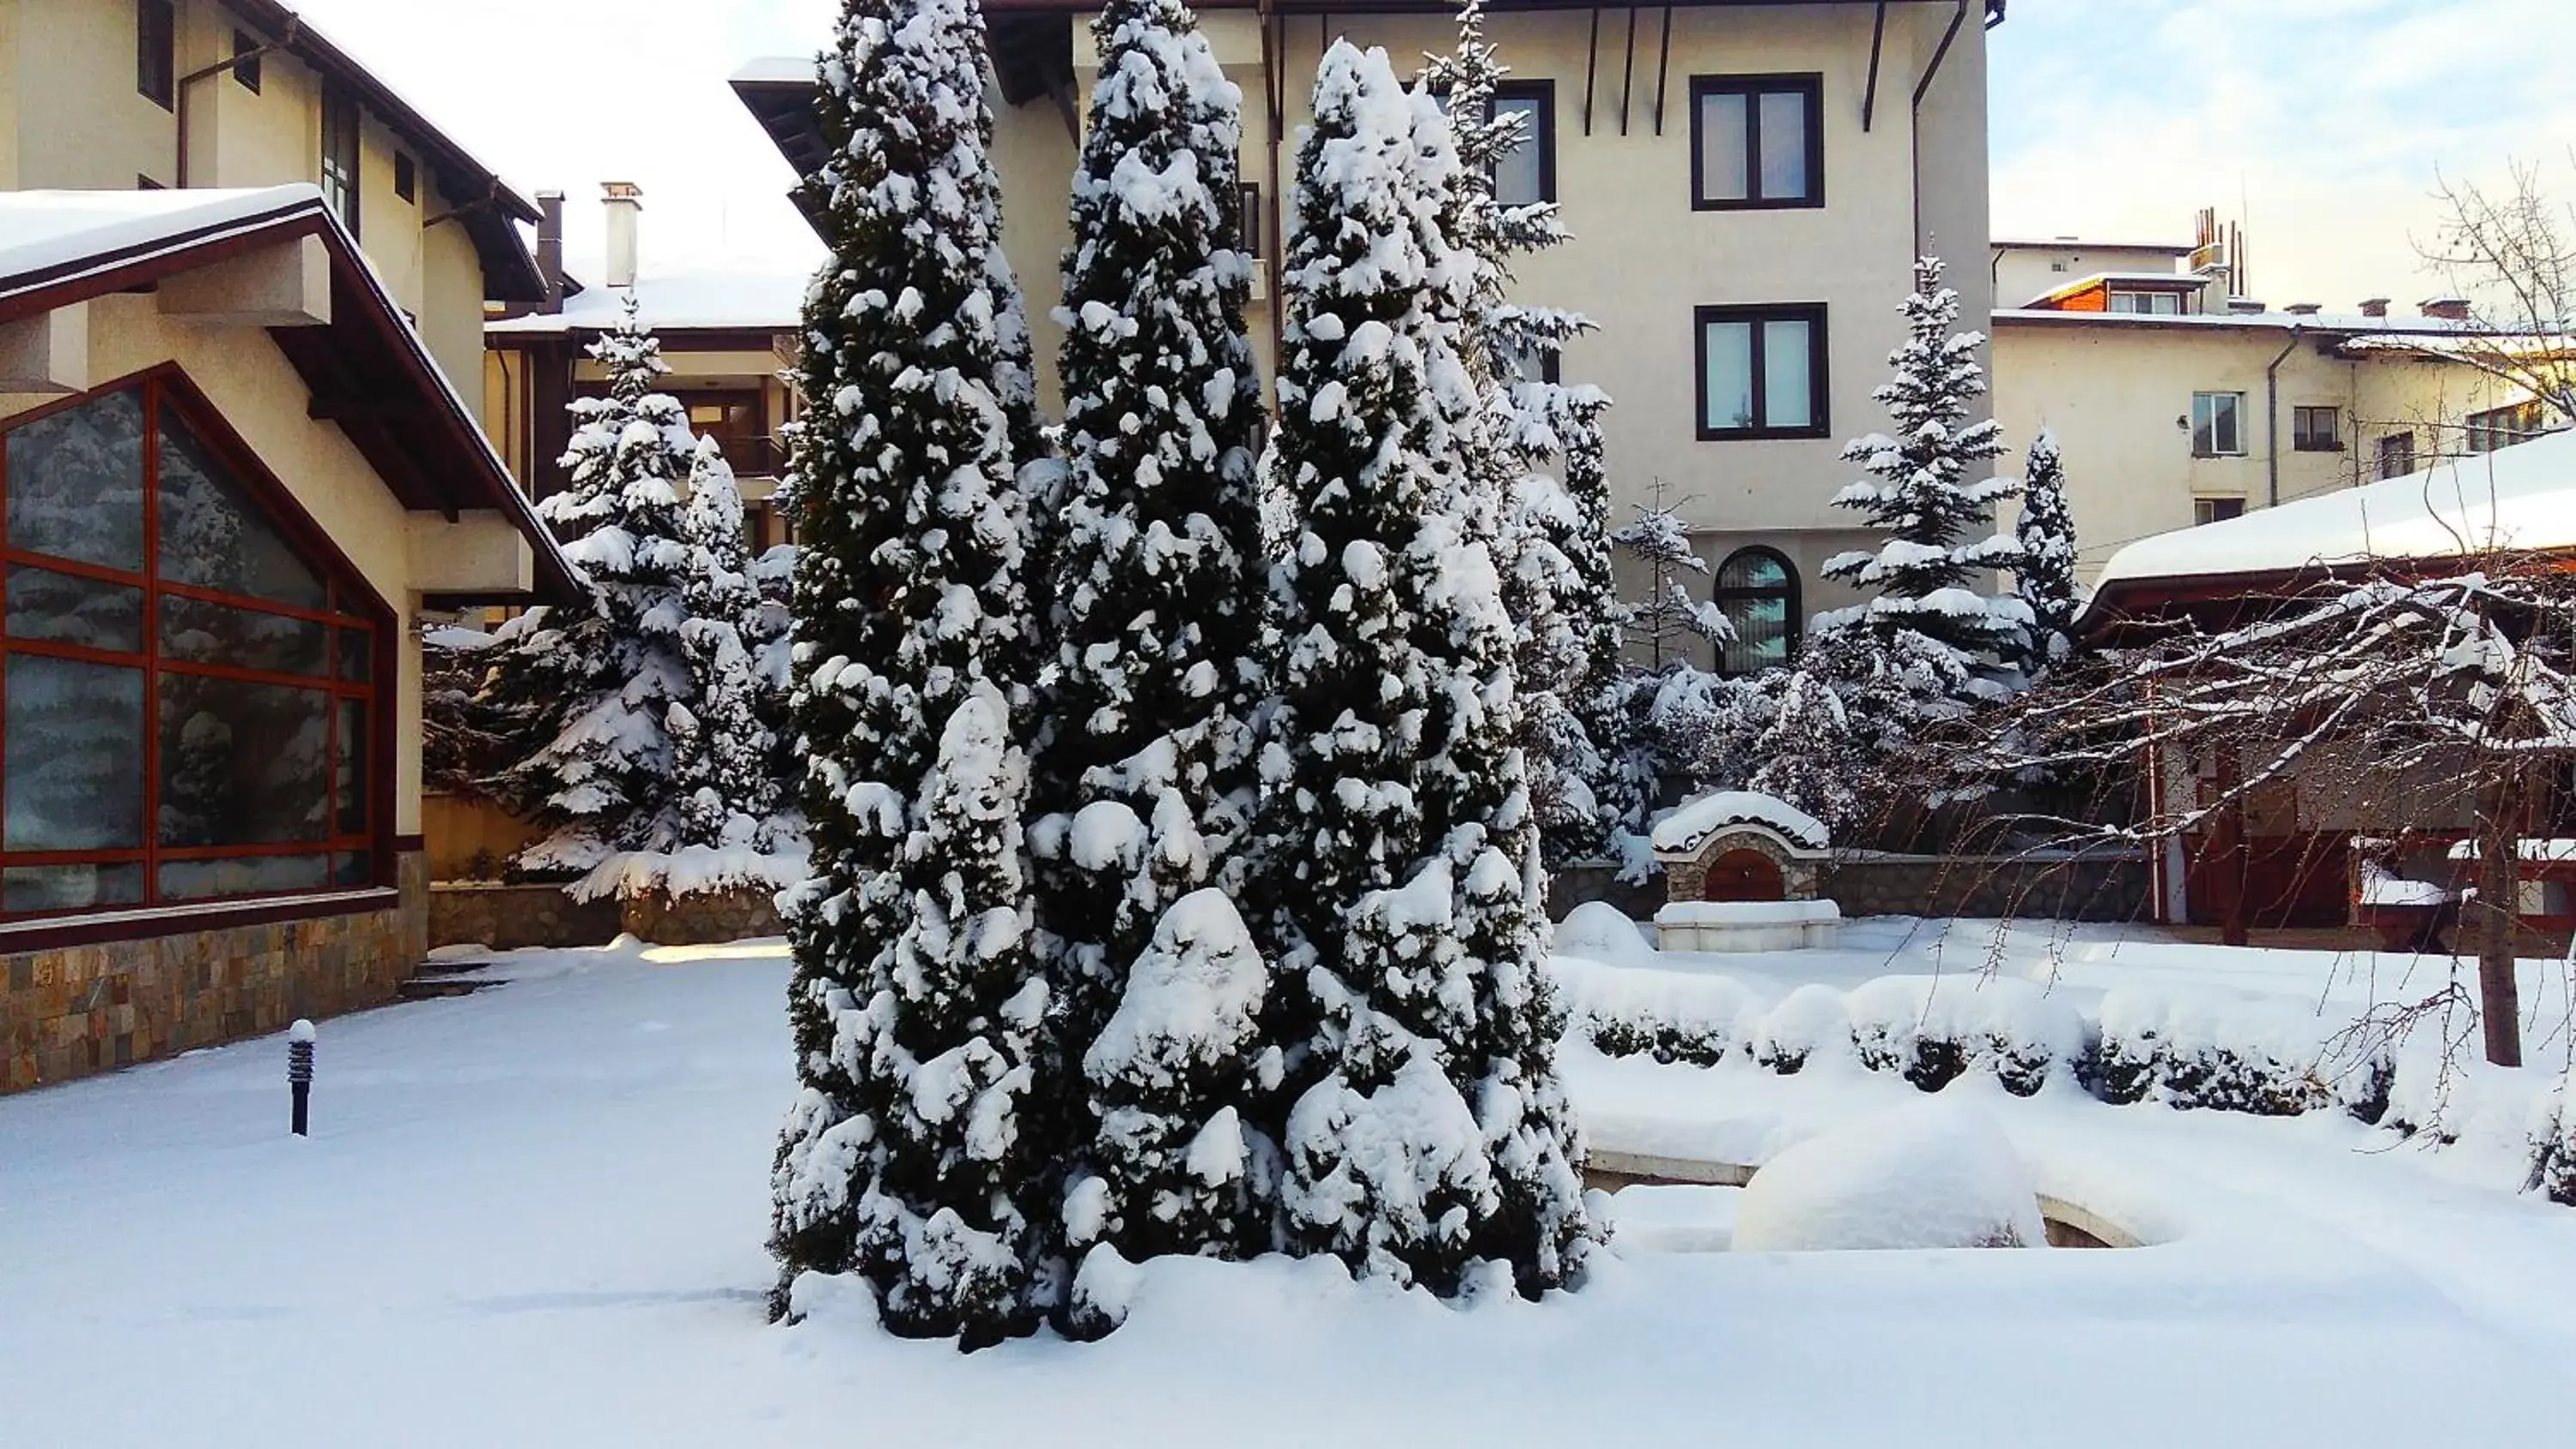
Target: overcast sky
2320 125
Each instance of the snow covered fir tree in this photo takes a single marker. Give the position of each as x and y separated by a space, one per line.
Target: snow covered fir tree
1397 867
722 754
1146 776
918 1002
1924 494
598 685
2044 559
1549 538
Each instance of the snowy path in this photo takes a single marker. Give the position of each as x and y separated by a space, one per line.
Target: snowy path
533 1216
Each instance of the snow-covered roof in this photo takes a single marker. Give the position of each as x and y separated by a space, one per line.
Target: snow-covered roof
775 70
2323 322
1683 830
60 233
62 247
711 300
2522 497
2080 244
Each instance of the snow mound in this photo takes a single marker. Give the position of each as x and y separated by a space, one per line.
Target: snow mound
1681 831
1933 1029
1674 1016
1600 931
1936 1174
1674 1219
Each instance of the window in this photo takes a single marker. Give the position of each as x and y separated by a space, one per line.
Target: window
1757 591
146 183
2152 304
156 52
2316 430
406 177
1761 372
246 60
2504 427
2217 424
2216 510
189 705
340 156
1757 141
2397 454
1526 174
1247 221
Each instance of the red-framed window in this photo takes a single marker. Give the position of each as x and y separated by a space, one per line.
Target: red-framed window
194 700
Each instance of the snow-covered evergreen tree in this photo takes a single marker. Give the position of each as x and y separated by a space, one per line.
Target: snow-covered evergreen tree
598 684
1147 769
722 754
1925 494
1670 617
1398 862
1550 538
2044 569
917 1002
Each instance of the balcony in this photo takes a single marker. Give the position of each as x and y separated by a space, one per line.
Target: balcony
753 456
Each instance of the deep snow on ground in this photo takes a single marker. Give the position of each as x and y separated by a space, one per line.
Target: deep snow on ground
534 1216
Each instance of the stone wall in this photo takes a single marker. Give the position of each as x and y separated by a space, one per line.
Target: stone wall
2062 888
507 917
69 1011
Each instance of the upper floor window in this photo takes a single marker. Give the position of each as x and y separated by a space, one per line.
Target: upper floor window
1757 141
190 696
2397 454
1526 174
1761 372
1247 219
246 60
406 177
340 132
2217 424
2503 427
156 52
2316 430
2146 303
1757 591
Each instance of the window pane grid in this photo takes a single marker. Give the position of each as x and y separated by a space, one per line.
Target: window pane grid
1762 372
1757 142
312 780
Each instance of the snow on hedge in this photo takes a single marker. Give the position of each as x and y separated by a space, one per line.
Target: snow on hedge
1934 1029
1673 1016
2236 1051
1937 1174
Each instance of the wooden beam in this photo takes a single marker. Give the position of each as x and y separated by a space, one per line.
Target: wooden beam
363 409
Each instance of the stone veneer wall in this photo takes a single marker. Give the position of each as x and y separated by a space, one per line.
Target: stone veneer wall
69 1011
2077 888
507 917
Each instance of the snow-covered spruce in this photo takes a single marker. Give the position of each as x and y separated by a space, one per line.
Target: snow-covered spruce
1922 493
599 684
1397 860
1549 539
1145 781
1175 1166
2044 562
917 1002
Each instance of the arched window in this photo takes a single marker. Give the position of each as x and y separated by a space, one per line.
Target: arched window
191 703
1757 590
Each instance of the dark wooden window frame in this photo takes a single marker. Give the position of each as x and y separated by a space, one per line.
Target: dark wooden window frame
344 119
1811 86
2304 436
1542 134
156 52
351 603
1789 592
246 57
1819 372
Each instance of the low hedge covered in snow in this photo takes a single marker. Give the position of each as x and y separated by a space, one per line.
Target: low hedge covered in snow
2220 1051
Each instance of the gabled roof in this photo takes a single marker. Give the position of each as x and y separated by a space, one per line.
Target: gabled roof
368 365
488 209
2520 499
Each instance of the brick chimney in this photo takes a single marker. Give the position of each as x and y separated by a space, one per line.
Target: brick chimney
2374 307
550 206
2303 309
2447 309
624 203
